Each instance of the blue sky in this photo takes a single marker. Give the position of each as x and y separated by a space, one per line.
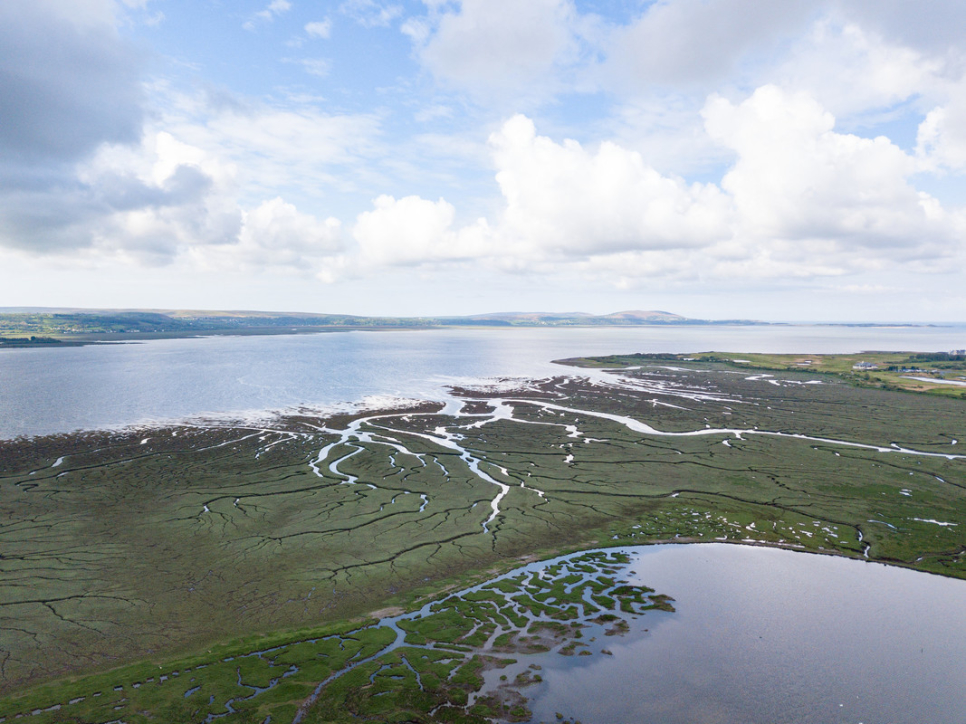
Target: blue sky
716 158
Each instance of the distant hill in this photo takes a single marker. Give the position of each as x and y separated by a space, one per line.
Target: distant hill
76 324
579 318
637 316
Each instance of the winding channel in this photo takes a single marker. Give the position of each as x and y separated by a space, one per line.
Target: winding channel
450 438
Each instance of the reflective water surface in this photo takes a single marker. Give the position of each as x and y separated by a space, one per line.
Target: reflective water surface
767 636
46 390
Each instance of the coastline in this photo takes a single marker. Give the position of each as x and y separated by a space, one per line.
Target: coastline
80 339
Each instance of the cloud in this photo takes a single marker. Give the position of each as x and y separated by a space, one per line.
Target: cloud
846 53
941 137
281 228
493 47
277 7
512 56
68 83
371 14
319 28
190 183
800 200
122 214
190 192
417 30
277 146
933 27
412 230
667 130
851 70
319 67
433 112
80 13
807 202
166 201
276 234
45 220
796 179
562 199
271 11
872 289
226 181
159 200
697 42
562 204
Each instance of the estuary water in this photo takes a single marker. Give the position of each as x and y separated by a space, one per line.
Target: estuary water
44 390
768 636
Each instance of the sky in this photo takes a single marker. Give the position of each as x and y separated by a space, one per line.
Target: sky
802 160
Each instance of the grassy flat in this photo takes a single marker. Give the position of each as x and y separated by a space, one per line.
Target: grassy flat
128 556
938 373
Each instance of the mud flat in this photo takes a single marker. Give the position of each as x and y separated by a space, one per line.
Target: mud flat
144 547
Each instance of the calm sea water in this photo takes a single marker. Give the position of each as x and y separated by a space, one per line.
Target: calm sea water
766 636
59 390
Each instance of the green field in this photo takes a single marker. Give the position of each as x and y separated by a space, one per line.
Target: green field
72 327
938 373
127 556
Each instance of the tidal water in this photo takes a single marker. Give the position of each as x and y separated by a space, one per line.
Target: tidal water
768 636
46 390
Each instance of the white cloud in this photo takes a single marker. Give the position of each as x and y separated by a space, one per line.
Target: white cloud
562 203
493 47
416 29
277 147
797 180
800 201
168 201
319 28
248 183
90 13
371 14
697 42
160 199
433 112
941 138
277 234
872 289
933 27
851 70
316 66
271 11
412 230
564 200
669 132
